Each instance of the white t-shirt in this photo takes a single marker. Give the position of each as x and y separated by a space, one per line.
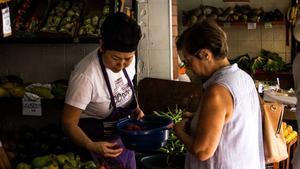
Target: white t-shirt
87 89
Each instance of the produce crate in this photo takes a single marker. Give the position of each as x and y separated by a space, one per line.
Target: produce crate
29 15
62 19
94 15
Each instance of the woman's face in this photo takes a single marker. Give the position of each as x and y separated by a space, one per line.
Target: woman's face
116 61
197 63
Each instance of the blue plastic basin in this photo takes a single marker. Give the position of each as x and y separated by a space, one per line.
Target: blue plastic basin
154 134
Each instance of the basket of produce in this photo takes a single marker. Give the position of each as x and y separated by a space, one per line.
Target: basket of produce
149 133
57 161
63 19
28 17
95 13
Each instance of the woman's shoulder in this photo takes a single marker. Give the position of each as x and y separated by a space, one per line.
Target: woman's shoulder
88 63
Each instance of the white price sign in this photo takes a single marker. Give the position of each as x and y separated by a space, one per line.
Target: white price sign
32 107
251 25
6 22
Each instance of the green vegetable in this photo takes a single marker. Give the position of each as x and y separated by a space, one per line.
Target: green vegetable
23 165
173 147
257 63
267 61
88 165
42 92
105 10
41 161
273 66
274 62
243 62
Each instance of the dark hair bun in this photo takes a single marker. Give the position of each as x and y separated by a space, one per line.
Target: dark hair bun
120 33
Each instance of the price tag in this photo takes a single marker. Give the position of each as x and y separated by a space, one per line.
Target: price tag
268 25
32 107
252 25
260 88
6 28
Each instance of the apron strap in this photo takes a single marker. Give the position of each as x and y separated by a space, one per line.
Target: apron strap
108 83
129 83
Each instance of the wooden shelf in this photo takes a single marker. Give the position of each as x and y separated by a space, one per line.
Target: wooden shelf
48 40
12 118
286 78
246 23
45 37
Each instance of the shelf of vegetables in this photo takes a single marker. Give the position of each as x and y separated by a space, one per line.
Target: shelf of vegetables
28 139
235 15
267 66
53 21
37 141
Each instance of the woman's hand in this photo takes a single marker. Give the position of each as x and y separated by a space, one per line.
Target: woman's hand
180 126
139 113
108 149
185 138
187 115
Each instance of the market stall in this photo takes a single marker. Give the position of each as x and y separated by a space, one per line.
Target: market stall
49 37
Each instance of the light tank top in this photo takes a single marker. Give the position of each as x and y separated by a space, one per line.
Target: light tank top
241 142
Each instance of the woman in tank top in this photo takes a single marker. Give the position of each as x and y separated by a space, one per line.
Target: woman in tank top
226 130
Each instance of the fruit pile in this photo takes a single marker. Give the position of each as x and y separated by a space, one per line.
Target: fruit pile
60 161
63 17
48 143
92 23
289 133
13 86
21 15
28 17
237 13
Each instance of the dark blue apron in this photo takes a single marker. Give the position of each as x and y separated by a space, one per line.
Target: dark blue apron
105 129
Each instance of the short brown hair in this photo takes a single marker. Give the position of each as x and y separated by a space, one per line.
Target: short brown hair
206 35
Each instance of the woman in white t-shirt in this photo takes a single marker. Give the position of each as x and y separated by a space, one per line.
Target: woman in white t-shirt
100 93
